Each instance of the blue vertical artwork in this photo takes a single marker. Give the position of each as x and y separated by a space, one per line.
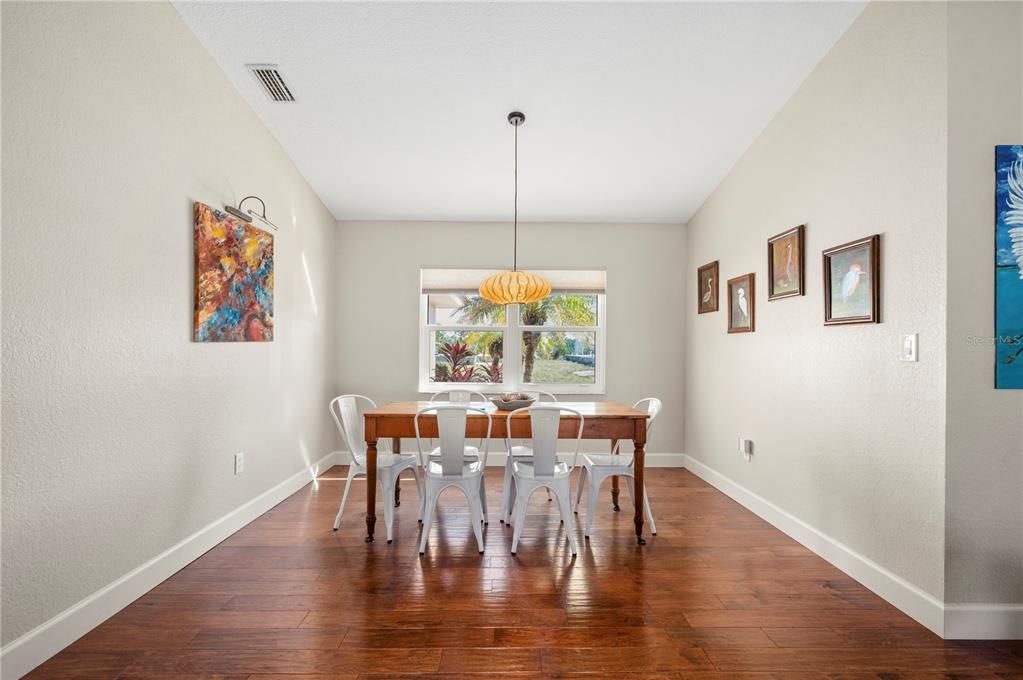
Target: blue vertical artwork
1009 266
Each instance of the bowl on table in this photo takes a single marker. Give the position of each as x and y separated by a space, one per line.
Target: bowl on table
512 401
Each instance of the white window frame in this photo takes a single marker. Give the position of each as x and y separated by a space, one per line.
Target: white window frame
512 352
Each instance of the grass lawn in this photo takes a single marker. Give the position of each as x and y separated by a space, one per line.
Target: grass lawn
560 371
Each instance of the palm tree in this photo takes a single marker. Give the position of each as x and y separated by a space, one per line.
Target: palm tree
563 310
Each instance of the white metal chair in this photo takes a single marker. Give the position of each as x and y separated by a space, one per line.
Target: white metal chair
345 410
544 469
596 467
519 450
470 397
452 468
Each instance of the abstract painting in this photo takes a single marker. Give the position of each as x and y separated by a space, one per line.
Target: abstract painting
234 279
1009 267
707 288
741 298
785 264
852 282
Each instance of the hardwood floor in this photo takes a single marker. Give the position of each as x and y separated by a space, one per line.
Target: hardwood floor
717 594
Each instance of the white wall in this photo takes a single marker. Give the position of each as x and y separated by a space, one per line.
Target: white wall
378 294
984 469
118 430
847 439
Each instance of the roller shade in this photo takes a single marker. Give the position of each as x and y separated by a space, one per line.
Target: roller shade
439 280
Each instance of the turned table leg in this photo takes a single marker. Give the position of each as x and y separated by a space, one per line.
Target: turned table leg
396 447
615 489
371 488
639 463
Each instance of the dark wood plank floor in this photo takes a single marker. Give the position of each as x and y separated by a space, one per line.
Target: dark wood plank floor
717 594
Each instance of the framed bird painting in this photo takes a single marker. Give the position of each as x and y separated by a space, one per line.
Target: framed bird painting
852 282
707 285
741 299
785 264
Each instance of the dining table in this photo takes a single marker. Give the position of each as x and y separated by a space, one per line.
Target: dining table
601 420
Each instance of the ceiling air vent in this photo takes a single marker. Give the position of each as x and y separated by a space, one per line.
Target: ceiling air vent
272 82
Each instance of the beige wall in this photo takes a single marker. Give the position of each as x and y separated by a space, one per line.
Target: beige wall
378 297
984 469
847 439
118 431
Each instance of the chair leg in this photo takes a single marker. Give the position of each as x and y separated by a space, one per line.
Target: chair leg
472 495
521 502
485 519
431 502
629 481
386 481
506 506
591 502
579 491
344 499
649 513
419 490
566 514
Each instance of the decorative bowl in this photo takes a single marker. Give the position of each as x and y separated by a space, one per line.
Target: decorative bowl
513 402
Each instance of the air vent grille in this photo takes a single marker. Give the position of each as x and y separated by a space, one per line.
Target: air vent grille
272 82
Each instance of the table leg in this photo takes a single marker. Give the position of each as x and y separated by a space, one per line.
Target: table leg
614 480
371 488
639 463
396 447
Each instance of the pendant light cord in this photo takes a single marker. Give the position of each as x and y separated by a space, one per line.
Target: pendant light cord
515 242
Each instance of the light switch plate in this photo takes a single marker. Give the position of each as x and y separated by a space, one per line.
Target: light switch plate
908 347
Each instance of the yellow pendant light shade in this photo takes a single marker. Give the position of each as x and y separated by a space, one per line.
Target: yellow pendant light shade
510 288
515 287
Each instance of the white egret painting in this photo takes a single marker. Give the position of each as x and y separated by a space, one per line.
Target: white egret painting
1009 266
852 282
741 304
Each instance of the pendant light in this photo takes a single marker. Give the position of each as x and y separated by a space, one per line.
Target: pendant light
515 287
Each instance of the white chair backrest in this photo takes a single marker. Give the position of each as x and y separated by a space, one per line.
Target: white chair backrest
545 424
652 405
540 395
345 410
451 420
467 396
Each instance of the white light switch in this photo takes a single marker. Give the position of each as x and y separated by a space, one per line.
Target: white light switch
908 347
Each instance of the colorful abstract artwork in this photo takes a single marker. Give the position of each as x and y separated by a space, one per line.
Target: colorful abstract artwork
234 279
1009 266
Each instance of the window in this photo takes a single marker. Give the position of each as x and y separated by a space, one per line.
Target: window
556 344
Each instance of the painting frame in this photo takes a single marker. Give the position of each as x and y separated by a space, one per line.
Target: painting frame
747 284
872 246
798 261
1008 267
234 279
714 303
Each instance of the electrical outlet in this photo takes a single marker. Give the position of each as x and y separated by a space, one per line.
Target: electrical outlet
746 448
239 463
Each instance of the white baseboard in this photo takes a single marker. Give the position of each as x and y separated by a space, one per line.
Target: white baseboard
980 621
910 599
497 458
39 644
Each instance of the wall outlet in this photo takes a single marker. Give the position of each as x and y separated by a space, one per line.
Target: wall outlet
239 463
746 448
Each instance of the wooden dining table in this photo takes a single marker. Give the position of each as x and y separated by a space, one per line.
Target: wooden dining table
601 420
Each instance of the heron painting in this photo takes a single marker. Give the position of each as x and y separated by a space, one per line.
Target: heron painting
852 282
785 260
741 304
234 279
1009 266
707 288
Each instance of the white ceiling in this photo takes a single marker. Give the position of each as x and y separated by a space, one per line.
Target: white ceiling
635 111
